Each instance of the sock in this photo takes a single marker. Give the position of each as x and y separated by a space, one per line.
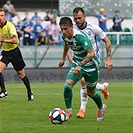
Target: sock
68 95
83 98
97 99
99 87
70 110
2 84
27 84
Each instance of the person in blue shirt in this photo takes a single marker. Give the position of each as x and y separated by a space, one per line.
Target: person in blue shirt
38 28
28 33
35 17
117 19
102 18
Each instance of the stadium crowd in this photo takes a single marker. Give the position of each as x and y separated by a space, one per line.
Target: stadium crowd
35 30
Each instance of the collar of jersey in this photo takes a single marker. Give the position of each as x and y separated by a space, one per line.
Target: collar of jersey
84 27
4 24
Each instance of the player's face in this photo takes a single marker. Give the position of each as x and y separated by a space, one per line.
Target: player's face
67 31
2 17
79 19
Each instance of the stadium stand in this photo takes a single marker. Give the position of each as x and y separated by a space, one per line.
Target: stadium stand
34 56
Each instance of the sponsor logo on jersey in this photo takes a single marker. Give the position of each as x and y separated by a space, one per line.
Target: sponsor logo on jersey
85 43
13 31
89 33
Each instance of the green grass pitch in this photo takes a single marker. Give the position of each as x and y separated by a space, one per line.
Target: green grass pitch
17 115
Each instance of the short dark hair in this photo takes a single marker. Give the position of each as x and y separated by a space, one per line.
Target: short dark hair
66 21
117 11
77 9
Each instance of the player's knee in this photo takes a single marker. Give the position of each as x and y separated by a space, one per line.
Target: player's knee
90 92
67 87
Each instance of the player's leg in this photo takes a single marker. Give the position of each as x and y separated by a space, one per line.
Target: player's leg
26 82
83 99
104 88
91 82
19 64
3 63
70 82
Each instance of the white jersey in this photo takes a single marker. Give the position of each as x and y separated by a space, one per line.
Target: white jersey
92 31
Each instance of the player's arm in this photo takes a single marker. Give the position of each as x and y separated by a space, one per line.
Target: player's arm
61 63
86 44
108 62
69 55
89 56
13 40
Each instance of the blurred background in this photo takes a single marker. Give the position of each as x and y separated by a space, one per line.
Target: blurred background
42 18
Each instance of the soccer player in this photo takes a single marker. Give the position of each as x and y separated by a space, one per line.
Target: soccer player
84 64
92 31
11 53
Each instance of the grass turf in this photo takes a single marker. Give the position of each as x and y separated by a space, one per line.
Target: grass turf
17 115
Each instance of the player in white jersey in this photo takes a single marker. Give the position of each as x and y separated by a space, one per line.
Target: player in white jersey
92 32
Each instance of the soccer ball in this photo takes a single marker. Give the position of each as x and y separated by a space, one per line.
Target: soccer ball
57 116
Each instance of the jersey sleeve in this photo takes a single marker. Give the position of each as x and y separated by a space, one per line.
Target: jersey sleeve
98 31
12 30
85 42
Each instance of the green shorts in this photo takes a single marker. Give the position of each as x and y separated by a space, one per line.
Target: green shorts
91 78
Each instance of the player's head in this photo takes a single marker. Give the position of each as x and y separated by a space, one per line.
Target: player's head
79 17
2 16
66 26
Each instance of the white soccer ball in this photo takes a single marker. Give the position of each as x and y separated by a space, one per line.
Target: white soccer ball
57 116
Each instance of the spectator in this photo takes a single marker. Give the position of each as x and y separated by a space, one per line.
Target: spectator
37 28
55 38
117 19
35 17
8 15
19 29
47 17
102 18
52 26
28 33
26 16
9 7
43 39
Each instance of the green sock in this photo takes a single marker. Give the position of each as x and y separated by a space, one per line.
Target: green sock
68 95
97 99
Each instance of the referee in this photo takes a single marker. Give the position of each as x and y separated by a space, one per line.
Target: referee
11 53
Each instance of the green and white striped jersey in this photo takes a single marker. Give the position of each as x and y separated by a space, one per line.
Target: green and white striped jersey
79 44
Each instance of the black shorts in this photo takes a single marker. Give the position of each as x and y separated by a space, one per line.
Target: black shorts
15 57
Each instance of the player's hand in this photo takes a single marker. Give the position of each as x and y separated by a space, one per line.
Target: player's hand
61 63
109 64
76 70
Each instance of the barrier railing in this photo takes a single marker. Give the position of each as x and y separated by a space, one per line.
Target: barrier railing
120 37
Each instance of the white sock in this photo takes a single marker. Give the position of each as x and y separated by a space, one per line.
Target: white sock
83 98
99 87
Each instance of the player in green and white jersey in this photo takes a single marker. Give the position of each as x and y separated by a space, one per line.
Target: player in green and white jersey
93 31
85 64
